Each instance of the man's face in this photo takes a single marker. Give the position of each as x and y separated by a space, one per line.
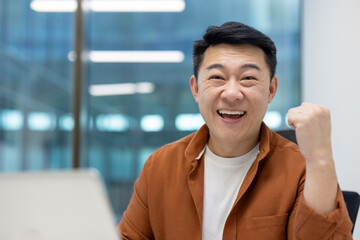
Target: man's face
233 90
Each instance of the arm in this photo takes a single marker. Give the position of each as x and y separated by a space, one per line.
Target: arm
135 223
320 211
313 133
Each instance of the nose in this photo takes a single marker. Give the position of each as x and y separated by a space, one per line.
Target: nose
232 91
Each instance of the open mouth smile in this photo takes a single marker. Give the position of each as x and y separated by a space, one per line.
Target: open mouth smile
227 114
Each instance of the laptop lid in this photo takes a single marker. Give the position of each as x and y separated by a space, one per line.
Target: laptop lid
55 205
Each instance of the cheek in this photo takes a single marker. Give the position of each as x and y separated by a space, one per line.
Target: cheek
208 95
207 101
258 97
204 102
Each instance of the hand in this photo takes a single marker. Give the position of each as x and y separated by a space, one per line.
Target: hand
312 126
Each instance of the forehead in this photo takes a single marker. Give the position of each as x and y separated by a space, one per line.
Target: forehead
234 54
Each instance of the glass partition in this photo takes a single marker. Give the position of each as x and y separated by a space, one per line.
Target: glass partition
35 87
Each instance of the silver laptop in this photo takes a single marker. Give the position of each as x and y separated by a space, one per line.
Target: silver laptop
55 205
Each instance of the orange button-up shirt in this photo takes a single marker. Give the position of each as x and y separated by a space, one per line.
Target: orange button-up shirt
168 196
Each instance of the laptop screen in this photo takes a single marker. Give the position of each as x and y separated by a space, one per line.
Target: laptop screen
55 205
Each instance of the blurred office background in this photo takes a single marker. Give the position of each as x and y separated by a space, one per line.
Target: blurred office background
147 54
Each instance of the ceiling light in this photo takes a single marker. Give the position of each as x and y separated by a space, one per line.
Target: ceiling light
121 89
11 119
66 122
53 6
136 56
189 122
152 123
41 121
112 122
110 5
137 6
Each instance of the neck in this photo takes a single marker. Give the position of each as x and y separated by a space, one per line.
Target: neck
228 150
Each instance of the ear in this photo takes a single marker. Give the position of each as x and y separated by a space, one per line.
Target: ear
272 88
194 87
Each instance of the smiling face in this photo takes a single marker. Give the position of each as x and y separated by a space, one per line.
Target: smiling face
233 91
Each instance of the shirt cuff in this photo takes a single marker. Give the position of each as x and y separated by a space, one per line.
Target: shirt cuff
310 224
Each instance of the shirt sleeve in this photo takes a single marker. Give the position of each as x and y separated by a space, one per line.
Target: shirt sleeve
135 223
305 223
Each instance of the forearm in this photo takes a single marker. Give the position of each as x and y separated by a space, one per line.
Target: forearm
320 188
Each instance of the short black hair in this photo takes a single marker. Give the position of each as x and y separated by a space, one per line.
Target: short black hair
234 33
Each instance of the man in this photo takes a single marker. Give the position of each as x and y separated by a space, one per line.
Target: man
234 178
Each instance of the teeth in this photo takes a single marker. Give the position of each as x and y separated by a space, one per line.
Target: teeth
231 112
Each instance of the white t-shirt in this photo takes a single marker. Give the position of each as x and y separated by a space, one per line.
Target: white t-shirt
222 180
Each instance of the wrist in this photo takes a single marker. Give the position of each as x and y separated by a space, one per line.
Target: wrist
321 168
320 157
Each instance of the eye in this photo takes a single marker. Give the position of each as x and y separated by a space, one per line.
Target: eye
248 81
216 77
249 78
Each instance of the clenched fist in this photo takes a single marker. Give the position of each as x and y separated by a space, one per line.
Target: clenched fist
312 126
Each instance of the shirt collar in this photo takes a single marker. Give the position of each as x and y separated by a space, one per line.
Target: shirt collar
196 146
201 153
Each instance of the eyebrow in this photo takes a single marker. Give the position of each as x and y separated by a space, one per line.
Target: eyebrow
251 65
247 65
215 65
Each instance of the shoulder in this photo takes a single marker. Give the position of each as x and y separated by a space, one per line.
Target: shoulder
279 143
271 142
167 166
169 155
187 148
286 154
278 150
176 148
281 159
